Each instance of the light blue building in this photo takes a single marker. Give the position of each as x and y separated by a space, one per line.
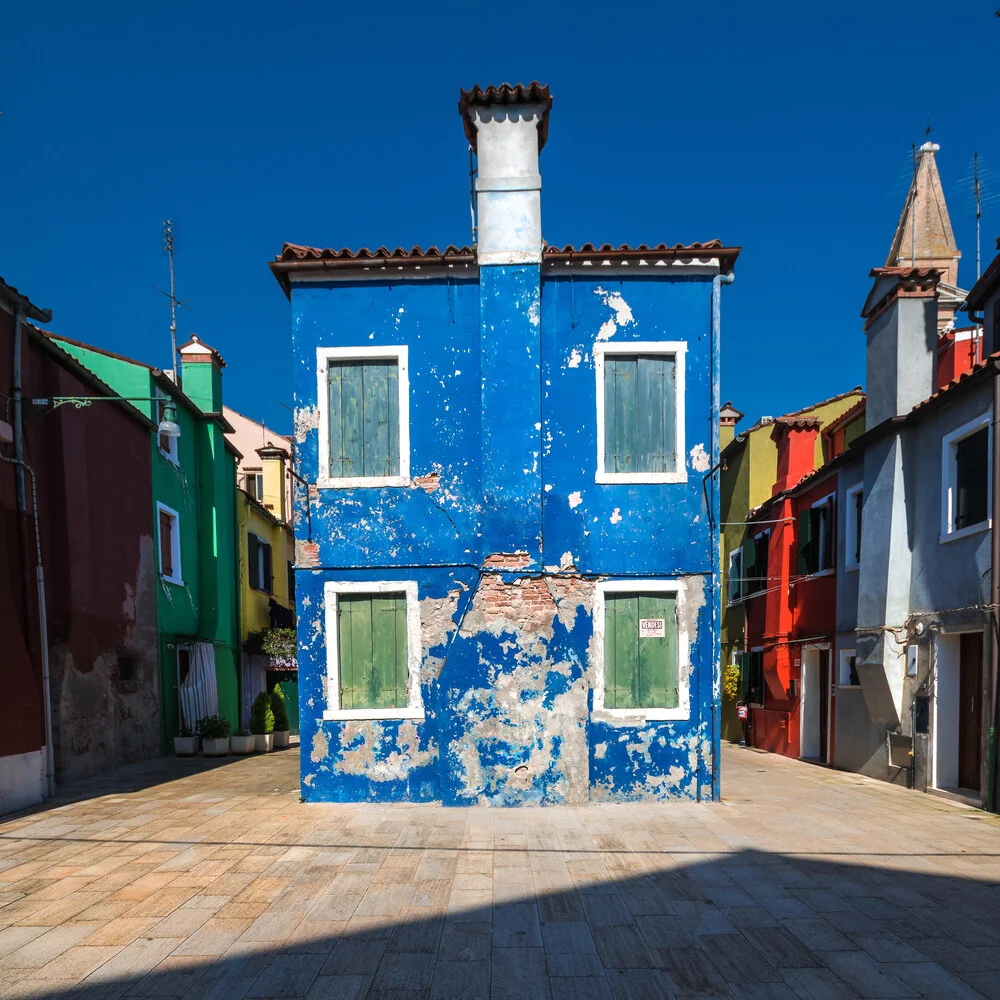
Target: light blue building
507 566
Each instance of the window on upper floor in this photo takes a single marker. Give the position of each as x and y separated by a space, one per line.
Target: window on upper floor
373 650
855 500
734 581
965 486
642 650
816 538
167 445
364 435
259 566
253 483
755 563
169 543
640 412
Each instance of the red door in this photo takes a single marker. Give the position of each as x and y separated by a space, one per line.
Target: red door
970 711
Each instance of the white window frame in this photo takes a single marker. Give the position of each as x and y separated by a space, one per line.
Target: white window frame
391 352
735 567
684 666
949 478
833 548
175 544
851 540
677 349
170 452
766 533
415 704
844 671
261 542
763 683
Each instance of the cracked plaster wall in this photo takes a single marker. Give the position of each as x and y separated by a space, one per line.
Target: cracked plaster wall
505 677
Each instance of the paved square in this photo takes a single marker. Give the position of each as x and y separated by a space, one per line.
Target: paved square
199 879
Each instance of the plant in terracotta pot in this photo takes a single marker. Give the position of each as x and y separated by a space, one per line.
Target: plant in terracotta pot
262 722
280 717
185 743
243 742
214 733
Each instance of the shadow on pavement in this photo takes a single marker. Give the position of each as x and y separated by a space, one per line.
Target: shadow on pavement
423 923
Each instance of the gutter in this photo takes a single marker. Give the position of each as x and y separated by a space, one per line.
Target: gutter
714 538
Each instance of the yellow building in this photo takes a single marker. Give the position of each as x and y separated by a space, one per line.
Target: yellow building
748 474
267 583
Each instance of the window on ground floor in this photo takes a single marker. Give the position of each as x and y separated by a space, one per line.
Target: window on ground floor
373 650
848 673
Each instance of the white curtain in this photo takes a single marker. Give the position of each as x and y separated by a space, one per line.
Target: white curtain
199 695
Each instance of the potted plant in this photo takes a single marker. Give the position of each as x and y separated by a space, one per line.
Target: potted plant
214 733
185 743
262 722
243 742
280 718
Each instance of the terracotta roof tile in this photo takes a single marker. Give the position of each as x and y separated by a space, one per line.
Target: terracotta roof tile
506 94
955 382
294 252
798 423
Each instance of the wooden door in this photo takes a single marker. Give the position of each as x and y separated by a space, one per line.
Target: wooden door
970 711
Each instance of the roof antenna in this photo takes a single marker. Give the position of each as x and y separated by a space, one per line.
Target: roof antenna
977 191
168 245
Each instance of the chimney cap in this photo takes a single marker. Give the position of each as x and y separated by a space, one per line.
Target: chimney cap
272 451
729 414
198 350
506 94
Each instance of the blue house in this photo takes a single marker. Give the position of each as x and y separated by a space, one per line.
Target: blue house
507 566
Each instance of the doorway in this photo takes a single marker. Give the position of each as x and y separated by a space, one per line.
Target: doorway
814 705
970 710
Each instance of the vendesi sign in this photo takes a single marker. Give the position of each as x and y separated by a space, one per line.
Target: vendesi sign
652 628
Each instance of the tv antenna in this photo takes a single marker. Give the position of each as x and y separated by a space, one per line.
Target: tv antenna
168 245
977 191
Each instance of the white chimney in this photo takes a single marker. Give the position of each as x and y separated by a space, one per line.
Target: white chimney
507 127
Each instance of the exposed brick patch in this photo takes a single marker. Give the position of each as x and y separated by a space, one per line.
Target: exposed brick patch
507 560
526 602
429 483
307 553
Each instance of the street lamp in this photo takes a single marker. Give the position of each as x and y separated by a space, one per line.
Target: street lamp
168 426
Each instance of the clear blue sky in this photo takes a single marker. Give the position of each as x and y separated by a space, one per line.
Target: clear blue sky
782 127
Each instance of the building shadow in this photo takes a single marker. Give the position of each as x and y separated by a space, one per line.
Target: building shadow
419 922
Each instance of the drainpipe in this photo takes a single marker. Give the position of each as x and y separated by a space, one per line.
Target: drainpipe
50 767
714 540
991 780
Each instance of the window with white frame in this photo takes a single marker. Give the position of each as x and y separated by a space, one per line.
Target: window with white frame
373 650
848 674
852 542
364 426
166 444
169 543
966 479
735 580
642 650
259 564
640 412
816 537
755 561
253 483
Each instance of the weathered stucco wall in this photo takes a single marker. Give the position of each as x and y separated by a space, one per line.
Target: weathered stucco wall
506 535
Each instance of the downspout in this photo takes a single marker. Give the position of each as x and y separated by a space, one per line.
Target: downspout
43 641
991 760
714 537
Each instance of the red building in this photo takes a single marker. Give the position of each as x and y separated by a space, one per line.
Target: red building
75 504
790 573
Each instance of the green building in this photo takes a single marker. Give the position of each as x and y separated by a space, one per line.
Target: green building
748 475
194 518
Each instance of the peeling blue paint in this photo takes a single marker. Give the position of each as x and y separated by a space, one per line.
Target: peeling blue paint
503 456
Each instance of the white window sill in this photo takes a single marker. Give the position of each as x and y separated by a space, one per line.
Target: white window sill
640 477
639 716
815 576
360 714
972 529
176 581
359 482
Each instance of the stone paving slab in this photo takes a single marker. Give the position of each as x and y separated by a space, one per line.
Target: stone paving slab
196 879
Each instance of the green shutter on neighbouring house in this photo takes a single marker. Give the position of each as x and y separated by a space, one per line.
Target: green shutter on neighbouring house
640 672
364 418
640 433
805 541
372 653
750 584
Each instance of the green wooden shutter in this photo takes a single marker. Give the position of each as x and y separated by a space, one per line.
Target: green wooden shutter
640 672
640 433
268 582
805 541
253 561
373 660
751 584
364 418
